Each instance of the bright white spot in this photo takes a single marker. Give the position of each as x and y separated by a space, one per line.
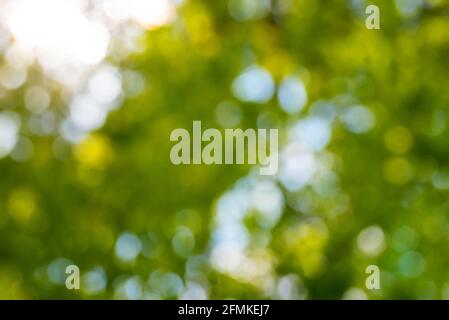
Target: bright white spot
128 246
71 132
69 40
130 289
227 258
86 113
4 39
19 55
94 282
105 85
313 132
231 207
298 166
231 241
355 294
289 287
58 31
150 14
254 85
358 119
9 128
12 78
268 200
292 95
234 234
194 291
371 241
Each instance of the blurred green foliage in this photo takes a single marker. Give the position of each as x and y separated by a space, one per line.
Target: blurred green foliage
76 202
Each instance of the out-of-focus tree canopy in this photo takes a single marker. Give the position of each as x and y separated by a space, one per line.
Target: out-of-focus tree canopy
86 178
